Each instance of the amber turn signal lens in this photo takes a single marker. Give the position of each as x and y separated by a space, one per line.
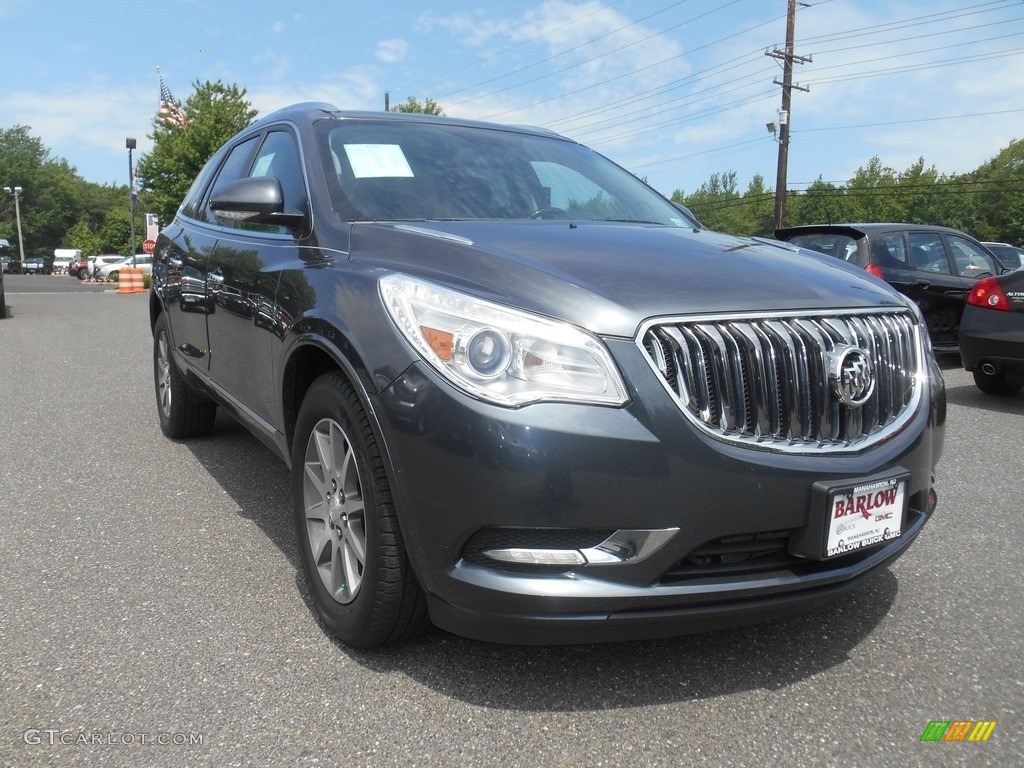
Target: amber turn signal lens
439 341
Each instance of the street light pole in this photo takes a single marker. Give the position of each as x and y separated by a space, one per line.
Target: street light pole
130 145
17 215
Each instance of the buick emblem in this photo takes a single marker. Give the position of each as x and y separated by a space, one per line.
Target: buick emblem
851 376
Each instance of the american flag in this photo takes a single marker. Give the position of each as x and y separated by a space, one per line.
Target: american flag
169 110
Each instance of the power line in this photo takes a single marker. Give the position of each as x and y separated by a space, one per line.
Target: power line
915 120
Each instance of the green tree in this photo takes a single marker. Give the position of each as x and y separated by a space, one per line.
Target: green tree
48 201
412 104
82 237
95 200
821 203
758 209
1000 195
872 190
215 113
115 236
715 203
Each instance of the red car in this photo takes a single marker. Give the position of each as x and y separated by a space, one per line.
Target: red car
79 269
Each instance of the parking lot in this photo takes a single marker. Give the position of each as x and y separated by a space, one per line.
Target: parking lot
153 611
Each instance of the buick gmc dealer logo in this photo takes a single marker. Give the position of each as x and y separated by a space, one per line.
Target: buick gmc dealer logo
851 374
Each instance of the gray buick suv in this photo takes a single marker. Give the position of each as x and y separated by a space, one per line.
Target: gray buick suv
522 397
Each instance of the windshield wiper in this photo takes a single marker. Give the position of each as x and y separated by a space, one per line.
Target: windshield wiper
633 221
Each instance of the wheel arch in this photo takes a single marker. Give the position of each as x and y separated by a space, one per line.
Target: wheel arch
313 355
155 308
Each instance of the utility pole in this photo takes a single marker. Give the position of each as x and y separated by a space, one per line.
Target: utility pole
387 101
787 57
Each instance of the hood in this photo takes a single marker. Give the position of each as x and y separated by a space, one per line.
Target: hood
610 277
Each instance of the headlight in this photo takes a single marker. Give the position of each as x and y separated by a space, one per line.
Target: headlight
502 355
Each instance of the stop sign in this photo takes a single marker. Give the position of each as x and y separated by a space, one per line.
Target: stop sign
149 246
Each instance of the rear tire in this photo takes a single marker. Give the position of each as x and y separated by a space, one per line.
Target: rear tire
183 412
3 301
353 556
998 384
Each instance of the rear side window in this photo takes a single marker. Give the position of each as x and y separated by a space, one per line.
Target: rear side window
890 251
928 253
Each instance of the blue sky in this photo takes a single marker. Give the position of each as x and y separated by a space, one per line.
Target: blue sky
672 90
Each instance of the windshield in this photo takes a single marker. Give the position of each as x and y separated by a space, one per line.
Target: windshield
401 171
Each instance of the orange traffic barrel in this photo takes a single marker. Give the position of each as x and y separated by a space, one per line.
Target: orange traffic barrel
129 280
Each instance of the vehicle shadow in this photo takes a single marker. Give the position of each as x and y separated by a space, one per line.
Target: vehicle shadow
255 479
769 656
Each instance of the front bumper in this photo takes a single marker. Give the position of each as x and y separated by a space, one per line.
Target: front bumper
462 469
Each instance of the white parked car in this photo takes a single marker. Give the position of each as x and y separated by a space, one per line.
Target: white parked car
102 260
142 260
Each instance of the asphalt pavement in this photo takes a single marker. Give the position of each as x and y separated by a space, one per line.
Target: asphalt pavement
153 612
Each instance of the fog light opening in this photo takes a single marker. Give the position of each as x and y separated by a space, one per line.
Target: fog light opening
933 500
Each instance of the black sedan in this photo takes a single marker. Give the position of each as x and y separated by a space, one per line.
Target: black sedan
992 334
522 395
933 266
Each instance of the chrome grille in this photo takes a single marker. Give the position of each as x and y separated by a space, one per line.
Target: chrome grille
764 380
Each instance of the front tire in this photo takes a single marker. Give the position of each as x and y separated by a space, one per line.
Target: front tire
183 413
353 556
998 384
82 274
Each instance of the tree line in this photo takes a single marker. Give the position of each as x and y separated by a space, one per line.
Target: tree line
987 202
60 209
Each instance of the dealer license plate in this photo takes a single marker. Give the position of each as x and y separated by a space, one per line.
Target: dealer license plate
864 515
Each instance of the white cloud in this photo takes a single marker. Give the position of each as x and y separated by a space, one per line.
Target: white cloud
87 125
273 64
390 51
356 88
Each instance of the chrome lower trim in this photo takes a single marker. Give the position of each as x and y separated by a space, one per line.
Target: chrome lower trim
621 548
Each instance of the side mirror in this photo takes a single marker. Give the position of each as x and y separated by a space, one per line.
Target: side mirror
258 199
